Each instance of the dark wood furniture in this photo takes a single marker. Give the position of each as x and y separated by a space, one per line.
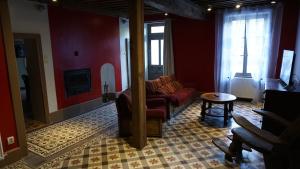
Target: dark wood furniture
279 137
279 151
283 102
217 98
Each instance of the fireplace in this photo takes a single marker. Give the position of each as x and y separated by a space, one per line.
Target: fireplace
77 81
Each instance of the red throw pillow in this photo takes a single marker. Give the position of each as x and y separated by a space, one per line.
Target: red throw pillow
170 88
157 84
152 86
165 79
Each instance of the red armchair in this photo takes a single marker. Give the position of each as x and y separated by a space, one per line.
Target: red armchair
156 114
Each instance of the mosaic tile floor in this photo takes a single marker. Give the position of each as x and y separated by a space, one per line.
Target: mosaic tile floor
18 165
54 138
186 144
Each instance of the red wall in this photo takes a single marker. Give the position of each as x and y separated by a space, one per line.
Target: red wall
96 38
194 52
7 120
288 30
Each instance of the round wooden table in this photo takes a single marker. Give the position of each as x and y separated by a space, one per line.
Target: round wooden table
217 98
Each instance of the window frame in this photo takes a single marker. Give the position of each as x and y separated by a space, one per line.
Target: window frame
155 36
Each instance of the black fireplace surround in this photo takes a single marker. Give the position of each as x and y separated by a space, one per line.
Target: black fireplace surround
77 81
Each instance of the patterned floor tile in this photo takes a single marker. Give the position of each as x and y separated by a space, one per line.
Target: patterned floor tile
17 165
57 137
184 145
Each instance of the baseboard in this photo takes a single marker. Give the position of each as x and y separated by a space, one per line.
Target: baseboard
76 110
244 99
13 156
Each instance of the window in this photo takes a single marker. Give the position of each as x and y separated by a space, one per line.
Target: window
156 44
246 48
247 43
157 29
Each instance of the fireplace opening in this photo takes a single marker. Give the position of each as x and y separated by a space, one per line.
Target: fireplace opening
77 81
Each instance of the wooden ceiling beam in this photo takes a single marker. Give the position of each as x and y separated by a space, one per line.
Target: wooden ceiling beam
185 8
79 5
95 10
222 4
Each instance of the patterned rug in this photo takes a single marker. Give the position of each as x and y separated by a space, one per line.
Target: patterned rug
186 144
54 138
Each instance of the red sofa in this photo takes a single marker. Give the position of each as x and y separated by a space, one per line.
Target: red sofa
176 95
156 114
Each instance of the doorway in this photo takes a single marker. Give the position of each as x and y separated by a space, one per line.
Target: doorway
155 50
32 80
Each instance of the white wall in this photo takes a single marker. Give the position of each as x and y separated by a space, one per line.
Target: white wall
124 33
297 63
27 18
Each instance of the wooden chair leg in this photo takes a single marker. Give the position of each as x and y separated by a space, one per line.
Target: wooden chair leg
203 109
154 127
228 158
236 148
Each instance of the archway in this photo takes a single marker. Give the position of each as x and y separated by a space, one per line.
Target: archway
108 77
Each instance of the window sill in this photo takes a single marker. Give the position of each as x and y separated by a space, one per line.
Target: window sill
243 75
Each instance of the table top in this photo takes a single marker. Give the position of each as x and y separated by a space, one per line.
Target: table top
218 97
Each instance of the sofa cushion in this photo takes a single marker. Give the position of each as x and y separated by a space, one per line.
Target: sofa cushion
167 89
181 96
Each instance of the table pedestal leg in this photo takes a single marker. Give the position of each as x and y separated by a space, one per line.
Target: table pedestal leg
209 105
225 113
203 110
231 106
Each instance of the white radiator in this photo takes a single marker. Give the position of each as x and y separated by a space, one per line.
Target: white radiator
1 149
243 87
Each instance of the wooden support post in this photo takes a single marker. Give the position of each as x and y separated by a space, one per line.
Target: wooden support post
6 31
136 28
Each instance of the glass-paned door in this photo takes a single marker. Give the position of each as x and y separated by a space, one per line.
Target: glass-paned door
155 50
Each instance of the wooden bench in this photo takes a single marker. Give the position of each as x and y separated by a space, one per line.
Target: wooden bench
279 151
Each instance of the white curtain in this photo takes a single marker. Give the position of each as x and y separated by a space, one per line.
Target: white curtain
168 49
249 32
146 50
